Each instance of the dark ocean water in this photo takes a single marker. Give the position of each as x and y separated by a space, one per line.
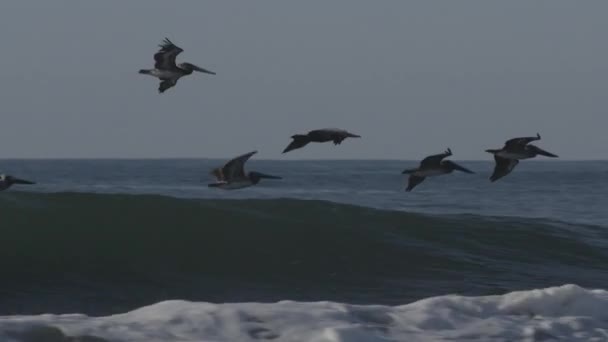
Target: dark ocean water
106 236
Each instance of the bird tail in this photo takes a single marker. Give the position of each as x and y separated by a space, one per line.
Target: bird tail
145 71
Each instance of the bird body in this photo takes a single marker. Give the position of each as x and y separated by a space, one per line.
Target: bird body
231 185
431 172
162 74
514 155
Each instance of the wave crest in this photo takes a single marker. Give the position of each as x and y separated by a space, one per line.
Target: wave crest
142 248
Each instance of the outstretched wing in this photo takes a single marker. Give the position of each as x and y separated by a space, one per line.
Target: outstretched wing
235 168
435 159
296 143
503 167
165 57
520 142
413 181
166 84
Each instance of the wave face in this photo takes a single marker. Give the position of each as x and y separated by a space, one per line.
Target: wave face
99 254
565 313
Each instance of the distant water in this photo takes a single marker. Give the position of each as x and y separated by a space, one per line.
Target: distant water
574 192
108 236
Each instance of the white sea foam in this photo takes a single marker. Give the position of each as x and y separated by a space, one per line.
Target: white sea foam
565 313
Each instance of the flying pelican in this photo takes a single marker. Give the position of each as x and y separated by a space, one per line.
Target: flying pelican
7 181
515 150
319 135
432 166
165 68
232 175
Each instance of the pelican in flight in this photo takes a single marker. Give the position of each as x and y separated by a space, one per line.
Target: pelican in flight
165 68
515 150
432 166
7 181
319 135
233 176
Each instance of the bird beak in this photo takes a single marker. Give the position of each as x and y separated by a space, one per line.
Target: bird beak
460 168
199 69
22 181
350 135
545 153
492 151
261 175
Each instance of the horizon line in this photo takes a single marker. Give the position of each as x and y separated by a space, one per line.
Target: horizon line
276 159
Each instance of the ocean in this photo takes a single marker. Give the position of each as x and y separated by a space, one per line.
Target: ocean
142 250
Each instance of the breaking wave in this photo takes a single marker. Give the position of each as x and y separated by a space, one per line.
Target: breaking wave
105 253
565 313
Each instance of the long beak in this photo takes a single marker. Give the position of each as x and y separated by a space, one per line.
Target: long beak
351 135
22 181
460 168
261 175
492 151
545 153
199 69
542 152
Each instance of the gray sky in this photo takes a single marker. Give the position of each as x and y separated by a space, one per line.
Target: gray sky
412 77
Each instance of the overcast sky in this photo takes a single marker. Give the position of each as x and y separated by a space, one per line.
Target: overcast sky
411 77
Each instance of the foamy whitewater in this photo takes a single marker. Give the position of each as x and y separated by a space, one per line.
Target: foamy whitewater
118 250
565 313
